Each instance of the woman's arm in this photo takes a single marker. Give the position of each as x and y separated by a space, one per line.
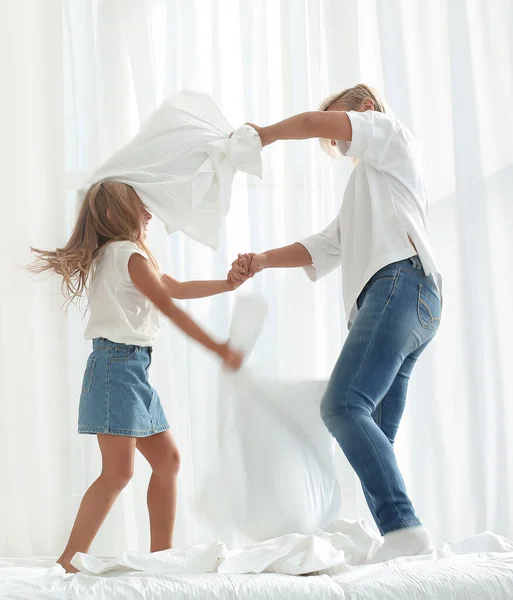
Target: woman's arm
287 257
198 289
294 255
319 253
330 125
148 283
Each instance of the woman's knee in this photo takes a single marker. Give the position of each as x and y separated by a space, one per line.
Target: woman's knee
338 412
333 417
333 408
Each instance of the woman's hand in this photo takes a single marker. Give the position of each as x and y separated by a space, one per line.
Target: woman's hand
263 134
246 266
258 263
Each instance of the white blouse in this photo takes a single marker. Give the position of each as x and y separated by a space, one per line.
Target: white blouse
383 218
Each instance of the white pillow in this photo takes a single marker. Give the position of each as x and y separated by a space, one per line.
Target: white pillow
274 474
182 163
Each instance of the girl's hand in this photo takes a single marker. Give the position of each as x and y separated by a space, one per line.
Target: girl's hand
231 358
235 283
239 272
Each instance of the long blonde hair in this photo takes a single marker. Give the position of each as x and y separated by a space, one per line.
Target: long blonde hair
352 99
93 230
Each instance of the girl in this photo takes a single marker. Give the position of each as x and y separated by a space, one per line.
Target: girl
391 290
106 257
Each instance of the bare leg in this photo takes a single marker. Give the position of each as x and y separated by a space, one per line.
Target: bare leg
162 454
117 469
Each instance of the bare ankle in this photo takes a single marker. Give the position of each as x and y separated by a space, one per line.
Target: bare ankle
161 547
66 565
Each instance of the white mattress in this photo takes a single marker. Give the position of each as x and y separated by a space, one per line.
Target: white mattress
486 576
480 568
478 576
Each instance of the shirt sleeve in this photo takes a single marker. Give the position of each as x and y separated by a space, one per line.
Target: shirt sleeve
324 248
375 137
123 252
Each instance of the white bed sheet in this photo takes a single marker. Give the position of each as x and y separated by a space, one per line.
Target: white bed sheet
469 577
480 568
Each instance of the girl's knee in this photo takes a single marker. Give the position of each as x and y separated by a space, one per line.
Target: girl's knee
174 460
117 479
169 463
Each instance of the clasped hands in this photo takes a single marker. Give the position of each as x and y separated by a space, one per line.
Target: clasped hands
246 266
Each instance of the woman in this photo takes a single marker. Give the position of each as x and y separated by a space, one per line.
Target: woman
391 290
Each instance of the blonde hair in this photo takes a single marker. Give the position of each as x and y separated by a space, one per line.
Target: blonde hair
352 99
93 230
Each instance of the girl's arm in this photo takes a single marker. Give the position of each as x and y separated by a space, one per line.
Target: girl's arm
330 125
147 282
198 289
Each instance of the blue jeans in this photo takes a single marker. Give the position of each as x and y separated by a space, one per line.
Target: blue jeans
399 314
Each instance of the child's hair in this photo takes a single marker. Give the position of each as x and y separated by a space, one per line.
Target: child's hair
351 98
93 230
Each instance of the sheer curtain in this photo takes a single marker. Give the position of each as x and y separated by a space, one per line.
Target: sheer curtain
82 78
34 374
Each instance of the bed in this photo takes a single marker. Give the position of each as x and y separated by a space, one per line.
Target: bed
480 568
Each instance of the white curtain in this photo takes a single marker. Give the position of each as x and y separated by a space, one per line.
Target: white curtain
80 77
34 364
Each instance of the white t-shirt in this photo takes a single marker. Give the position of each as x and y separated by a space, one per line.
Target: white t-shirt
384 207
119 312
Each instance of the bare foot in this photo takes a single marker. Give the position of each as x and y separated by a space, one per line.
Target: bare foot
66 565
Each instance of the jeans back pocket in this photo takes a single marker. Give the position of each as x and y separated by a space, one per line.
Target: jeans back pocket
428 308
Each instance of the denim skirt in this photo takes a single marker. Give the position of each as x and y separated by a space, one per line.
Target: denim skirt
117 397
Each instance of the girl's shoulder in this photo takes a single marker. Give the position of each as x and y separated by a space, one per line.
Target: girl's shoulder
120 247
118 251
116 244
113 258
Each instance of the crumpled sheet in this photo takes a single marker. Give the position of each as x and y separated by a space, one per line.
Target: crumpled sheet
182 164
341 547
474 569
